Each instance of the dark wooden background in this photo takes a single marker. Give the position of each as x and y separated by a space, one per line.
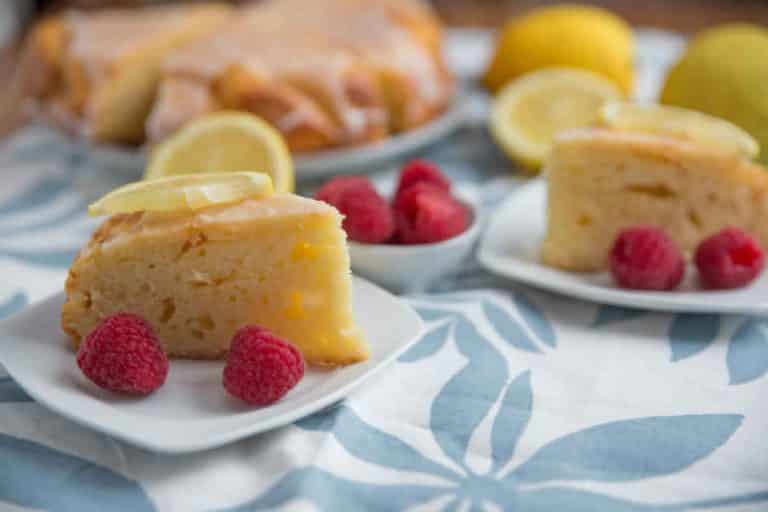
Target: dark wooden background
681 15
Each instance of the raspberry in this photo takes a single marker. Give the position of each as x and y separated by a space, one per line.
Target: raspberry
645 258
367 216
261 368
333 190
729 259
421 171
123 354
426 214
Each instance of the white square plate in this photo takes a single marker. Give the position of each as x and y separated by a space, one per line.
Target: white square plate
191 411
511 247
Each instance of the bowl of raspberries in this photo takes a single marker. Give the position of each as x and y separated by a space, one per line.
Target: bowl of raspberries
409 240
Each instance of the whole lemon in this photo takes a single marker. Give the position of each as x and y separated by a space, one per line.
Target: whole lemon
724 72
576 36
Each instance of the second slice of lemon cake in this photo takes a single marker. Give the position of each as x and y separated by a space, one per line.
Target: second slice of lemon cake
601 181
280 262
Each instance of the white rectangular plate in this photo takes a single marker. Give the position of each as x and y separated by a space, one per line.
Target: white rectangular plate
191 411
512 244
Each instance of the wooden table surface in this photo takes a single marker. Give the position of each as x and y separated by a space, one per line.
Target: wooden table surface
680 15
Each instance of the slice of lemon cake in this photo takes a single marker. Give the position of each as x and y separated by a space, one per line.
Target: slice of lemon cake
197 275
601 181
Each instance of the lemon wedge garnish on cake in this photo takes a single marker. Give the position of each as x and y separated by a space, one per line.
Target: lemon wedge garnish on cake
221 143
679 123
185 192
529 111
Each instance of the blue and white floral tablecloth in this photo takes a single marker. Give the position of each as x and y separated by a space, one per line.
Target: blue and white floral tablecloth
513 400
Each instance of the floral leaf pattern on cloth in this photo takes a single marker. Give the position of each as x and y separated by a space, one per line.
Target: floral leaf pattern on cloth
11 392
435 313
476 386
49 258
575 500
331 492
16 211
690 333
38 195
759 497
70 483
628 449
13 304
510 330
511 422
376 446
430 343
607 314
748 351
617 451
534 319
612 452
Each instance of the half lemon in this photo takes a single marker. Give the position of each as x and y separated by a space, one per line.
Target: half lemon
530 110
225 142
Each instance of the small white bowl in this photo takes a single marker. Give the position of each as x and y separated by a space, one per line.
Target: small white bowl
412 268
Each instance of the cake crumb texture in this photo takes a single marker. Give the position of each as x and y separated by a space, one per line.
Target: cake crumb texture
280 263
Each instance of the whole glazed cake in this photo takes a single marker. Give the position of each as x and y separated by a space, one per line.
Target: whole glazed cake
326 74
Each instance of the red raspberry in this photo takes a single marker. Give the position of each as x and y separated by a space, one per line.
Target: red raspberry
426 214
645 258
420 171
729 259
123 354
261 368
334 189
367 216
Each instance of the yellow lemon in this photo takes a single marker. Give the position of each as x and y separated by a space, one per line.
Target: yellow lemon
186 192
679 123
568 35
529 111
723 73
225 142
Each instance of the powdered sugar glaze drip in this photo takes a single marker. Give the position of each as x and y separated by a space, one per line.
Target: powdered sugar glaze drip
334 68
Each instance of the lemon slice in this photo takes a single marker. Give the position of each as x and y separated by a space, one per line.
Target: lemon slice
190 192
529 111
679 123
225 142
